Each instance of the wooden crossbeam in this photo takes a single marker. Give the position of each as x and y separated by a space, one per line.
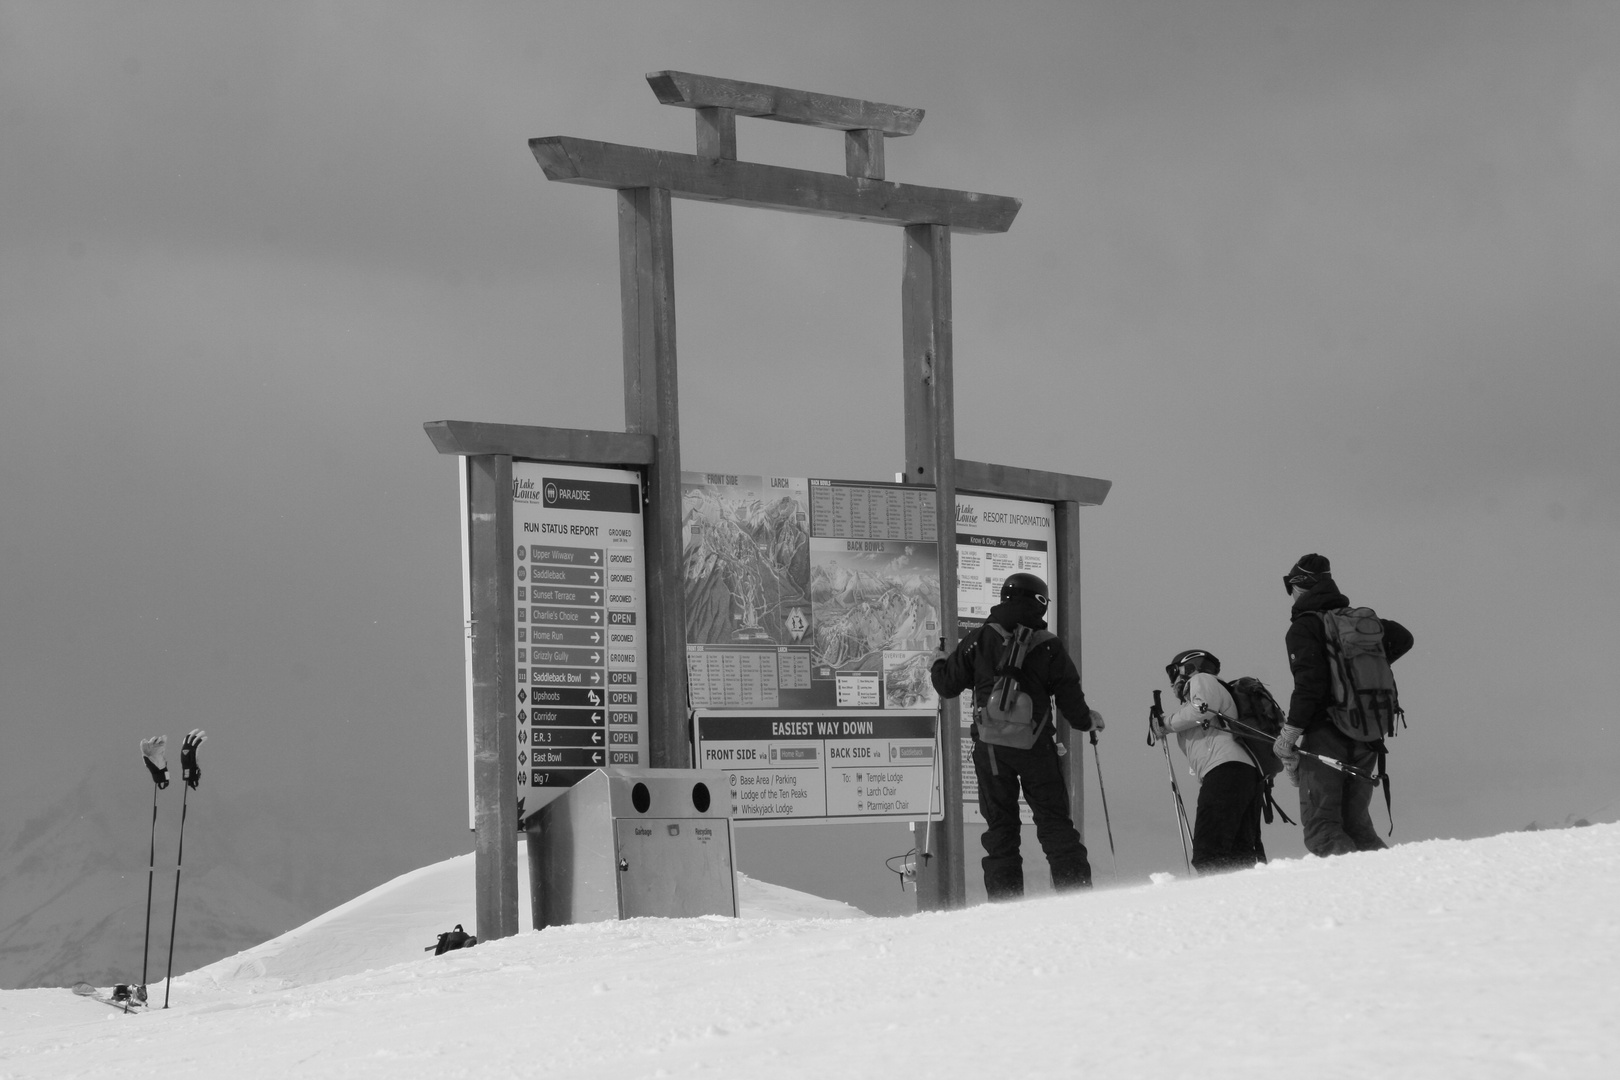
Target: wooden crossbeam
779 103
1011 482
542 443
772 187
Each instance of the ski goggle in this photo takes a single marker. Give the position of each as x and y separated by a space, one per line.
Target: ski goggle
1175 669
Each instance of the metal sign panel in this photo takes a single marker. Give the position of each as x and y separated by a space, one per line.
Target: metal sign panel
580 603
793 767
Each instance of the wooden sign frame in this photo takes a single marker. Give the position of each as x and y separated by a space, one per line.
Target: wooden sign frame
646 181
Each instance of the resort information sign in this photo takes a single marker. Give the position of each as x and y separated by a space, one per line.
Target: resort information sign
995 538
578 590
793 767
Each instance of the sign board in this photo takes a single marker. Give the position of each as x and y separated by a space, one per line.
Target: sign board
995 538
812 597
786 767
578 591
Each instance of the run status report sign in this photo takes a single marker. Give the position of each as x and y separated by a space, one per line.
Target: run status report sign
578 592
792 767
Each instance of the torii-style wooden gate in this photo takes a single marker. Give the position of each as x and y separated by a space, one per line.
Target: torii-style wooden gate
646 180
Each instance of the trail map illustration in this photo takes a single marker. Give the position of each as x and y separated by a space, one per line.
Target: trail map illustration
747 559
824 594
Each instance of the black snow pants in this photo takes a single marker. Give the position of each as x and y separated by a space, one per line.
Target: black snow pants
1039 771
1335 809
1226 835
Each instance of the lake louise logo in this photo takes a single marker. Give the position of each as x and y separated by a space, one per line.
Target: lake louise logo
525 491
966 515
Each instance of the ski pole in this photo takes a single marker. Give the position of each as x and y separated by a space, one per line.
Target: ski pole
191 774
1102 791
152 757
151 873
1183 830
174 916
1332 762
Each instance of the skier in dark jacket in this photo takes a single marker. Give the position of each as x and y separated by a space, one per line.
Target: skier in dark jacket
1334 807
1047 673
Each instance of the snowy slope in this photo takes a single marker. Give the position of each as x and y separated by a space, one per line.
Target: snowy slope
1484 958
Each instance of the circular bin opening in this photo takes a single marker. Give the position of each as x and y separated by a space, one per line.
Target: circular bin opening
640 798
700 797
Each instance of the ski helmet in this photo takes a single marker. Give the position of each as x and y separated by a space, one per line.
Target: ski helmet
1184 664
1024 585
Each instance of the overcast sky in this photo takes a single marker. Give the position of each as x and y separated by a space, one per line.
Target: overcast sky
1335 277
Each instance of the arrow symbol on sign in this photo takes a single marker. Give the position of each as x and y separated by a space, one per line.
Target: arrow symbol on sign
596 638
596 579
596 736
592 698
596 557
596 676
596 616
596 598
596 757
596 718
596 658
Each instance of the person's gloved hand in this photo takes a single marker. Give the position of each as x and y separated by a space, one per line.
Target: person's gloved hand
1096 721
1287 739
156 763
188 757
1291 767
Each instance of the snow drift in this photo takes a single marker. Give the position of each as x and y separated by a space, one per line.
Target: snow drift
1483 958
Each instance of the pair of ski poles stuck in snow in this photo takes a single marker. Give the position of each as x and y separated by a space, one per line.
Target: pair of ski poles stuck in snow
152 753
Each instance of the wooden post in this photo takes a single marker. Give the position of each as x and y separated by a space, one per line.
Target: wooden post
651 406
716 133
1066 588
925 310
495 817
863 153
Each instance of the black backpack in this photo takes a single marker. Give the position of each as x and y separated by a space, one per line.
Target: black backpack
1258 722
452 939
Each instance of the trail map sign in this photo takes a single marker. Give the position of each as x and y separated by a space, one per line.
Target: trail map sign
579 612
809 594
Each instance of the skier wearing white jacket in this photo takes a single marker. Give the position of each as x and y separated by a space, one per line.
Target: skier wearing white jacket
1226 833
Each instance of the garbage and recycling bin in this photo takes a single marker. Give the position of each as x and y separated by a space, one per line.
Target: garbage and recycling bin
627 842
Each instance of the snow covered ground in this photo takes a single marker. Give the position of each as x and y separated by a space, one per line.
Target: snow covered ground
1486 958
